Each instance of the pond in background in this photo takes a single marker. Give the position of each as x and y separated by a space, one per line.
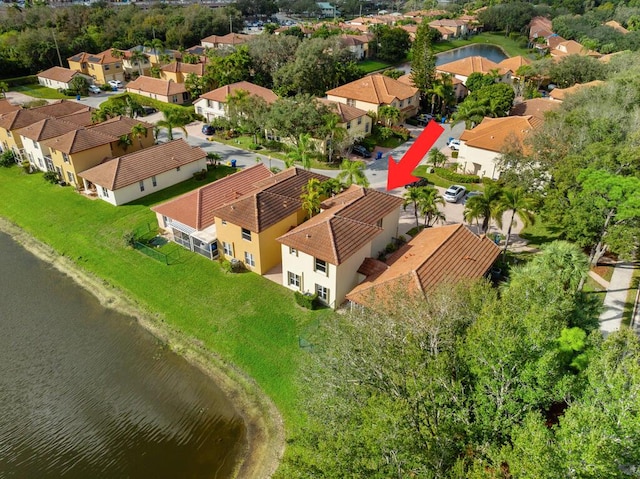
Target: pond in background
86 392
491 52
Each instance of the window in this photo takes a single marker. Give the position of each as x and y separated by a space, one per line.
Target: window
116 66
228 248
293 251
366 128
72 179
141 185
320 266
401 103
35 145
105 192
248 259
359 120
246 234
348 125
379 223
153 181
9 133
65 158
224 223
106 67
323 292
351 102
293 279
178 168
165 220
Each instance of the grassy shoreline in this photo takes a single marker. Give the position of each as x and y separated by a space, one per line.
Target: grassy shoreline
242 329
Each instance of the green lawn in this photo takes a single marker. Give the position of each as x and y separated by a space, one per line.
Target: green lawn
540 233
246 319
39 91
370 66
510 46
442 182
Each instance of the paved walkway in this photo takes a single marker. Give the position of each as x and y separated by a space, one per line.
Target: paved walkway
616 298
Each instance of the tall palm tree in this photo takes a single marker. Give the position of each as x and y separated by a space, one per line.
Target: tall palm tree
140 58
428 202
172 120
484 206
516 200
334 133
436 157
139 131
442 91
353 172
389 114
302 151
412 197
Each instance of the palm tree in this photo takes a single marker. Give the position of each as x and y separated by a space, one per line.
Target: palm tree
311 197
301 151
125 142
173 119
442 90
334 133
214 158
353 172
139 58
483 206
428 202
520 205
436 157
139 131
331 187
412 197
389 114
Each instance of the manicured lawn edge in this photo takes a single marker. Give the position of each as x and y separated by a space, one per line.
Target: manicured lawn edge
40 91
243 326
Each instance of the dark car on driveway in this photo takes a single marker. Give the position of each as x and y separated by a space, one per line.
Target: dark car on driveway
419 183
361 151
208 130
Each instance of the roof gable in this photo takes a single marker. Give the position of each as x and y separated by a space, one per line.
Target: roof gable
156 86
221 94
469 65
492 133
60 74
377 89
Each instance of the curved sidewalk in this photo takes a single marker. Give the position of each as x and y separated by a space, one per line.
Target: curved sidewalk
616 298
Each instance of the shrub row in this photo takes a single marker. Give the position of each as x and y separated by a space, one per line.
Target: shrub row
17 81
456 177
306 300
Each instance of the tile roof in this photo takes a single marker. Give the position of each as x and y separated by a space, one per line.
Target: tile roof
101 58
469 65
59 74
186 68
47 128
62 108
376 88
514 63
195 209
571 47
561 93
616 26
20 118
118 126
156 86
535 107
7 107
447 253
221 94
228 39
349 223
407 79
128 169
80 118
492 133
344 111
78 140
448 22
274 199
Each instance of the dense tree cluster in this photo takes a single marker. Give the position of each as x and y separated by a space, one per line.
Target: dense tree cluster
469 382
589 29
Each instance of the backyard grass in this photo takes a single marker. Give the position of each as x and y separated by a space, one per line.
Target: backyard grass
39 91
539 233
370 66
510 46
247 320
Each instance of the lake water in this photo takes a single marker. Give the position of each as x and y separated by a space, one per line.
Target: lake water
490 52
86 392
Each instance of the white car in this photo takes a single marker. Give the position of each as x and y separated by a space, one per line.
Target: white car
94 89
454 193
454 144
115 83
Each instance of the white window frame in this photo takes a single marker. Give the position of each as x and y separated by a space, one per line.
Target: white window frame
322 292
227 248
249 259
323 266
293 251
105 192
246 234
154 182
141 185
294 280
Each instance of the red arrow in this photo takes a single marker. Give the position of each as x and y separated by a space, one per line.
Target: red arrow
400 173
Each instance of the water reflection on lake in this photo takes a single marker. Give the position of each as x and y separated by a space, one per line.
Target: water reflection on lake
87 393
491 52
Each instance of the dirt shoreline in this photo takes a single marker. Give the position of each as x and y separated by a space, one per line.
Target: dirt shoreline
265 429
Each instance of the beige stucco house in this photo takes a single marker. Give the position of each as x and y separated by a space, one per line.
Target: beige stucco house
374 91
213 104
161 90
323 254
59 77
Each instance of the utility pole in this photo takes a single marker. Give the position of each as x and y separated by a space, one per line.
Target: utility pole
55 42
230 23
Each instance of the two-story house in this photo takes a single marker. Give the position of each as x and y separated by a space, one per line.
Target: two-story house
213 104
178 71
356 121
463 68
374 91
189 218
102 67
81 149
247 228
162 90
323 254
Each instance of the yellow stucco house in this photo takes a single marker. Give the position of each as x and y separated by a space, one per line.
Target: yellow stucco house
102 67
247 228
178 71
81 149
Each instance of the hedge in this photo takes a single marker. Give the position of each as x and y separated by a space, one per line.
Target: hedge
306 300
456 177
17 81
